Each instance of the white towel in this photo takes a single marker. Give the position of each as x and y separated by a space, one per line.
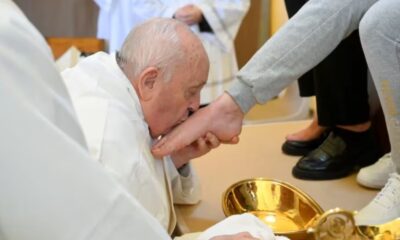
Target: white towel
235 224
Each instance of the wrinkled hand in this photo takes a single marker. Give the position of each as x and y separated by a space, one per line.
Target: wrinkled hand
200 147
223 118
189 14
238 236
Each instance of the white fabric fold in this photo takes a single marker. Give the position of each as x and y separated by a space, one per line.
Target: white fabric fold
240 223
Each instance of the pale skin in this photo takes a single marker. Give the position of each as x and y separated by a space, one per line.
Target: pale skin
199 147
223 118
189 14
314 130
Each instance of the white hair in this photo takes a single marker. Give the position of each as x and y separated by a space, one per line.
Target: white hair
153 43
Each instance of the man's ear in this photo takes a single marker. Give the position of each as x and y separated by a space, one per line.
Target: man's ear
147 83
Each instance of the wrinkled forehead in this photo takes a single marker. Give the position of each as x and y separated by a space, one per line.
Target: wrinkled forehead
190 76
197 72
194 66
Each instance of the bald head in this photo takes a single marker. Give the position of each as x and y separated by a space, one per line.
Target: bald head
163 43
167 66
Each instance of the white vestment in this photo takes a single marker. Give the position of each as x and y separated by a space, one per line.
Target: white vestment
117 18
117 135
50 188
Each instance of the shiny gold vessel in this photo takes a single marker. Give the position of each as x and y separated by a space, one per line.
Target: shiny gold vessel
292 213
283 207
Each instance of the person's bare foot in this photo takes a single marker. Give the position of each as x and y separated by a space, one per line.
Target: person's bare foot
311 132
223 118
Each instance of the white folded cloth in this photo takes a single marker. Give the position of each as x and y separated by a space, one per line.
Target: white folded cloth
235 224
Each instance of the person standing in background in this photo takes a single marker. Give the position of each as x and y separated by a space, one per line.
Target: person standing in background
216 23
340 86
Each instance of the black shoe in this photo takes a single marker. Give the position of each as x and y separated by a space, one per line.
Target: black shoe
301 148
338 156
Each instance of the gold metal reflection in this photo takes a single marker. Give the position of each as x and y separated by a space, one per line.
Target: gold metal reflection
292 213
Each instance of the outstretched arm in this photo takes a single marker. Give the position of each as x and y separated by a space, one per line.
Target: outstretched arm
223 118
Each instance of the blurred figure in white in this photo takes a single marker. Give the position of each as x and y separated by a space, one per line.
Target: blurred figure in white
215 22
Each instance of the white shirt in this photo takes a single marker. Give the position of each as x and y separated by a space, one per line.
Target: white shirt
117 18
118 136
50 189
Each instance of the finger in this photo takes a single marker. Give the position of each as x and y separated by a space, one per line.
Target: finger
181 15
201 144
233 140
188 18
183 135
212 140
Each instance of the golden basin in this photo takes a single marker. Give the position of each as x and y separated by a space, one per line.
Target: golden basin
290 212
283 207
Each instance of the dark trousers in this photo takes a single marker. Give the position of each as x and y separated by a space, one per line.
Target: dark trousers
339 82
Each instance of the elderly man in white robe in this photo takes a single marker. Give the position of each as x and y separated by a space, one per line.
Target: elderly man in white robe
125 101
215 22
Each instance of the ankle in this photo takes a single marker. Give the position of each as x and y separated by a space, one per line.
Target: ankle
362 127
307 134
227 118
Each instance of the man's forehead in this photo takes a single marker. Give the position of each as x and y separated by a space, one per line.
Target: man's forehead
197 84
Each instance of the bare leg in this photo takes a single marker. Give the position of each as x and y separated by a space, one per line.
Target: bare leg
362 127
312 131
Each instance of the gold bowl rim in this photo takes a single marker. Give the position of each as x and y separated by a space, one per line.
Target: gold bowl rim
319 209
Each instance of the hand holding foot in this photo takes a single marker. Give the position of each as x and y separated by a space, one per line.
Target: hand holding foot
223 118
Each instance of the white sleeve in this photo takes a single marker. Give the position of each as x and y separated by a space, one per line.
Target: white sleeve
52 189
224 17
185 189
